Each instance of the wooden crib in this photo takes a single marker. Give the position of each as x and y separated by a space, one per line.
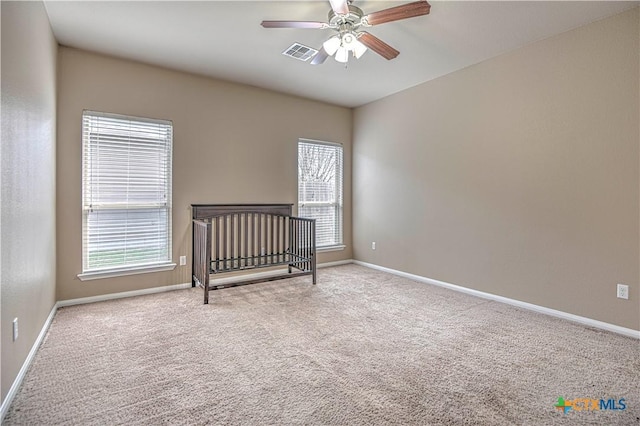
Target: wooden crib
242 237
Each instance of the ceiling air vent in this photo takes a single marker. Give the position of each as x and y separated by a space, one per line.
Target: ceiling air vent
300 51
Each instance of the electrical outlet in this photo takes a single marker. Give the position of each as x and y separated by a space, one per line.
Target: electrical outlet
183 260
623 291
373 245
15 329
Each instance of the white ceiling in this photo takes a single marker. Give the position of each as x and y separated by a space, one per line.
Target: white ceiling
224 39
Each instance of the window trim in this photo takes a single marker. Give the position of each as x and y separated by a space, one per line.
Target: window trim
337 247
131 269
126 270
339 204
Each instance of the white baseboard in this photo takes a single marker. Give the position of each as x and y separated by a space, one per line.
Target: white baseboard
335 263
13 390
122 295
530 306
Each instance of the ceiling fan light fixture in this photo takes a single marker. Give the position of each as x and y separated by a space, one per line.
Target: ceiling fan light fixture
358 49
342 55
332 45
343 44
348 39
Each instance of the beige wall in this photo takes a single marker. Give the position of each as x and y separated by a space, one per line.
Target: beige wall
28 180
518 176
232 144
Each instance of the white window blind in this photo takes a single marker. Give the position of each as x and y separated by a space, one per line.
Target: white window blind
320 171
126 191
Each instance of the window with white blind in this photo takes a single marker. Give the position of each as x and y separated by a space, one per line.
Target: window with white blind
320 170
126 195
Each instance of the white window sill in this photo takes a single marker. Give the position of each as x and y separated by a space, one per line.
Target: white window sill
331 248
121 272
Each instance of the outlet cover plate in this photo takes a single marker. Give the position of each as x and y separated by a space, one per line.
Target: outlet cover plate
622 291
15 329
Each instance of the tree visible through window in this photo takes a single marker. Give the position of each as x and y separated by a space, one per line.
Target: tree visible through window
126 191
320 170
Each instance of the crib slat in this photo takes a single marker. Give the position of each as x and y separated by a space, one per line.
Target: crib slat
224 242
294 240
245 253
278 251
307 237
299 241
303 242
240 240
207 262
310 244
217 236
314 261
287 241
232 237
254 238
260 239
273 237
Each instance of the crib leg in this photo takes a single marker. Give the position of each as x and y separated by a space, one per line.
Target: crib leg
314 264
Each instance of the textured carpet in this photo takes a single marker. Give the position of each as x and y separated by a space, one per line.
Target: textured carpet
361 347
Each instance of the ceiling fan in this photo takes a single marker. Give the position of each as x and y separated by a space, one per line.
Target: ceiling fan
348 20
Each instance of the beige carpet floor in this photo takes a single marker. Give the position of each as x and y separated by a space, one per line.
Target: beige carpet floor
360 348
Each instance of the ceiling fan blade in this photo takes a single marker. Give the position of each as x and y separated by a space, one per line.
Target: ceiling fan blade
293 24
340 7
320 57
377 45
417 8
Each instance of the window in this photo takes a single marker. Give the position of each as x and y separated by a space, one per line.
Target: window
320 189
126 194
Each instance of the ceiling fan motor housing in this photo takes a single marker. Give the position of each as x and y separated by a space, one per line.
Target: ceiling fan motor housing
354 18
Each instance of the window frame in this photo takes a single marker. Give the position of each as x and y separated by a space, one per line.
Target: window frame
131 268
338 204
